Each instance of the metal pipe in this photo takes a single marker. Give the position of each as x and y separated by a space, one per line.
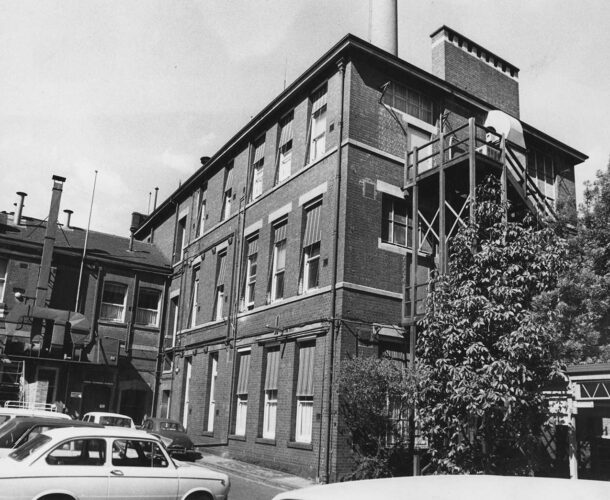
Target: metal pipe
19 210
82 262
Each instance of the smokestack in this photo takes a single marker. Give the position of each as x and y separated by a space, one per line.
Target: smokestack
68 213
49 242
155 203
384 24
19 209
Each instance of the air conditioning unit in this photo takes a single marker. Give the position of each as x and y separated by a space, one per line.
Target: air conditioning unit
490 152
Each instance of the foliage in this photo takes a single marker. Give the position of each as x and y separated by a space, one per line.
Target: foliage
582 298
375 395
487 346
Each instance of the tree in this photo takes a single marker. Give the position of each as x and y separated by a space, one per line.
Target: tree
374 397
487 346
582 299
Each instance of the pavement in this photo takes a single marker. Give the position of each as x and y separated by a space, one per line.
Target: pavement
255 472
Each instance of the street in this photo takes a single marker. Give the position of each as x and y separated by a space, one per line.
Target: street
245 488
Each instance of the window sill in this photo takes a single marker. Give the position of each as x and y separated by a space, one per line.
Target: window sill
267 441
109 322
208 433
148 328
299 446
235 437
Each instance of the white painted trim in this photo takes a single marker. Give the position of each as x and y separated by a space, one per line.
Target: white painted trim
278 303
221 246
368 289
175 293
256 226
183 213
196 260
390 247
280 212
390 189
313 193
598 376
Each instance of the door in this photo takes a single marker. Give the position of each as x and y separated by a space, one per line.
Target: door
96 397
140 470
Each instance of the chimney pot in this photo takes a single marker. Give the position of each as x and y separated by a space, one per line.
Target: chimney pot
68 213
20 205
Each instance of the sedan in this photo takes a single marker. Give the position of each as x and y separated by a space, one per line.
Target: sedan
103 463
174 436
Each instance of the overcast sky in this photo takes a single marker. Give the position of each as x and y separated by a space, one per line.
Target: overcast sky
140 90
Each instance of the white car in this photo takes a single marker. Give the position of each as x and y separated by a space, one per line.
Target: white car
455 488
106 418
85 463
9 413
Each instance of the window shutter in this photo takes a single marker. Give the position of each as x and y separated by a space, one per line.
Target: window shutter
286 131
273 364
305 378
280 233
242 379
312 225
252 246
318 100
259 152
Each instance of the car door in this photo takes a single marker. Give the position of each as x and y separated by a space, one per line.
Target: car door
141 470
76 466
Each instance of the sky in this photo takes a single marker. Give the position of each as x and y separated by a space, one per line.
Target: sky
139 90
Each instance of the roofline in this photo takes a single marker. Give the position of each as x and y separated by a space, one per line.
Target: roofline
339 50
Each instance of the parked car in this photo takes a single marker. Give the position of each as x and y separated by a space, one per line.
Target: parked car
174 437
465 487
19 430
12 409
106 418
109 462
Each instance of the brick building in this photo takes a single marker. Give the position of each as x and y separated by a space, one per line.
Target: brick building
290 246
99 354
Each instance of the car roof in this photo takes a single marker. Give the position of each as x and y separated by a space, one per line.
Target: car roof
106 414
50 420
98 430
465 487
33 413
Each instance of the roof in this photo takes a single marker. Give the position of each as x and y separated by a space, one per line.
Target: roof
328 60
70 241
465 487
588 368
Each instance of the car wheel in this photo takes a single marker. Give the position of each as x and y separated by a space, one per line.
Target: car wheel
199 495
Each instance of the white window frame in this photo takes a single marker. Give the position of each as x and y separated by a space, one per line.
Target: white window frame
219 303
392 223
250 280
184 239
257 179
309 257
212 403
284 168
277 247
304 420
187 389
226 205
317 145
194 296
202 214
241 414
145 310
122 306
3 277
175 306
270 414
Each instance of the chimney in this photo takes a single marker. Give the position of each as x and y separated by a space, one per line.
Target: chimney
155 203
68 213
469 66
49 242
19 209
384 24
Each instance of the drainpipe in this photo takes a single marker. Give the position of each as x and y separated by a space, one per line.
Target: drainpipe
333 302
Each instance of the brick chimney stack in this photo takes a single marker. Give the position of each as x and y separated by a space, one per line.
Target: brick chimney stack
466 64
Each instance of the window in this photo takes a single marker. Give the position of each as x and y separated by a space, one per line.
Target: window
220 287
3 269
228 193
212 379
79 452
241 393
194 296
541 169
148 307
181 239
409 101
317 145
310 273
186 408
137 453
285 148
113 302
251 259
201 216
174 305
304 394
270 388
394 221
258 162
278 268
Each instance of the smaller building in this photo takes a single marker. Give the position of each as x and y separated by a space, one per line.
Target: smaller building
86 348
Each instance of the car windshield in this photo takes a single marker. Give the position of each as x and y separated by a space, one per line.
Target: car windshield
10 432
171 426
30 447
4 418
115 421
